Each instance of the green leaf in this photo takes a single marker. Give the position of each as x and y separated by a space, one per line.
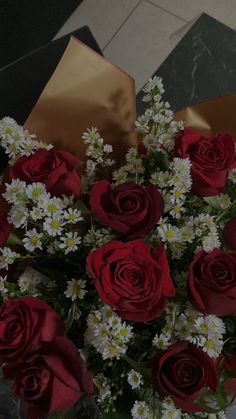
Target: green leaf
212 201
72 315
141 367
82 207
158 159
116 415
13 239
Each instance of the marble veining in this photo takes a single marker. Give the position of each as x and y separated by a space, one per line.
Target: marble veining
201 66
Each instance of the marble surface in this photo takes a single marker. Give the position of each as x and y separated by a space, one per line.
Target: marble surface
201 66
222 10
144 41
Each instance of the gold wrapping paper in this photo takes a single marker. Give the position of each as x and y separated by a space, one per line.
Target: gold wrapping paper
88 91
85 91
211 116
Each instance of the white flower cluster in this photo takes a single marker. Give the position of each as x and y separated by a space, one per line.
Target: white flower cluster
206 231
107 333
75 289
97 151
175 184
103 385
223 200
16 141
201 230
7 257
132 171
232 175
157 125
97 237
140 410
169 411
204 331
135 379
30 279
32 205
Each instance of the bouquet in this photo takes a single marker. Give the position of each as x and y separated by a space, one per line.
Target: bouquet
118 282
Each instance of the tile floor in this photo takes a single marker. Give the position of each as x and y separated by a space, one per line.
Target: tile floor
137 35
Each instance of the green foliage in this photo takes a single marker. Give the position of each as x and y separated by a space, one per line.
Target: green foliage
213 201
72 315
153 161
13 239
116 415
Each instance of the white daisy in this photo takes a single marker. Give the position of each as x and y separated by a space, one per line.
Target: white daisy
53 225
135 379
32 240
73 216
35 190
161 341
75 289
113 349
124 332
36 214
140 410
18 216
8 257
70 242
213 347
14 191
52 207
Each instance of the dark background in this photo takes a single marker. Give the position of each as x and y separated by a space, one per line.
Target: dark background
26 25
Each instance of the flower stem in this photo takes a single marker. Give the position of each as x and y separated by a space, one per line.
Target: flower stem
222 215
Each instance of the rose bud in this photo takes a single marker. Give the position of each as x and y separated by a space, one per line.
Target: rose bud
182 372
212 158
54 168
229 233
129 208
211 282
132 278
52 378
24 322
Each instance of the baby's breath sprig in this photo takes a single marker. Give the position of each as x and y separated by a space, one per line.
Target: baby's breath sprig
98 155
17 142
132 171
157 125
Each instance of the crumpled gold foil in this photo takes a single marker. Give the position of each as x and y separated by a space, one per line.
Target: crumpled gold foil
88 91
85 91
211 116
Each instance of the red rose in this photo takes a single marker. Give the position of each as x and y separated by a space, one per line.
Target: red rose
132 278
211 282
51 378
5 228
56 169
211 157
25 322
229 233
129 208
182 371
